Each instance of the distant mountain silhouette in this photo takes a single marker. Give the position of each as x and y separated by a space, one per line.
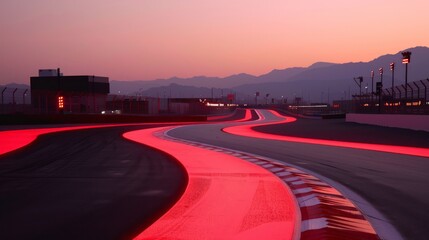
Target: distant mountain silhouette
335 81
180 91
198 81
418 68
15 85
321 65
320 82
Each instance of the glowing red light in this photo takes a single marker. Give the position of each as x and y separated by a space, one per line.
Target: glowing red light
60 102
226 197
14 139
247 116
246 130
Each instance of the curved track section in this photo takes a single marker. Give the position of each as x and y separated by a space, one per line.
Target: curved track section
11 140
325 212
86 184
391 182
247 131
226 198
91 184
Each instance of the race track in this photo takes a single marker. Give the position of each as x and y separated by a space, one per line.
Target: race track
395 184
85 184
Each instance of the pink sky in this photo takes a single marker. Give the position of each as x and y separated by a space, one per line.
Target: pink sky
145 40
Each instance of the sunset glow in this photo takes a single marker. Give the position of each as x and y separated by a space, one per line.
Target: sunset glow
145 40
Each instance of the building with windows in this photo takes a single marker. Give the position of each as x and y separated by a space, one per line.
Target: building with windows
51 92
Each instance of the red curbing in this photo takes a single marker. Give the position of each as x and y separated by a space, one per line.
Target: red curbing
247 131
11 140
325 212
226 197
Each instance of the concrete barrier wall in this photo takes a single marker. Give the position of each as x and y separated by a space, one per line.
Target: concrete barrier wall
415 122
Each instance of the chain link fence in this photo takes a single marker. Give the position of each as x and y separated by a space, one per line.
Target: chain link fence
412 98
15 100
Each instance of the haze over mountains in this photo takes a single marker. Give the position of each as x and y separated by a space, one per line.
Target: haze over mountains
320 82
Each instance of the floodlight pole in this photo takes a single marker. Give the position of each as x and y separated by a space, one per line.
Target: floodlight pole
392 68
405 60
380 70
358 81
372 85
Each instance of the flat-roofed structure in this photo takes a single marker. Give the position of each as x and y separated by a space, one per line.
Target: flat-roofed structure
69 94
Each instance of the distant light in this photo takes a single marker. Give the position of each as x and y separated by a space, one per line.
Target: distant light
393 104
310 106
414 103
214 104
60 102
406 57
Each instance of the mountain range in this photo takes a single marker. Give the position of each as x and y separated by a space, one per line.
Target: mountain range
320 82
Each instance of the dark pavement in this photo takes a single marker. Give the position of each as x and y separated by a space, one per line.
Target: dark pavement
238 114
93 184
89 184
395 184
339 129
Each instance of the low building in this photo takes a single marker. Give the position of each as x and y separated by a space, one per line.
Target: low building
51 92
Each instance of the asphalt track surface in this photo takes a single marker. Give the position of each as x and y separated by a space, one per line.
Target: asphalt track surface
395 184
92 184
85 184
339 129
227 197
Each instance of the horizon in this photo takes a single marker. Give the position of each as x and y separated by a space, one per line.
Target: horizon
131 41
222 77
